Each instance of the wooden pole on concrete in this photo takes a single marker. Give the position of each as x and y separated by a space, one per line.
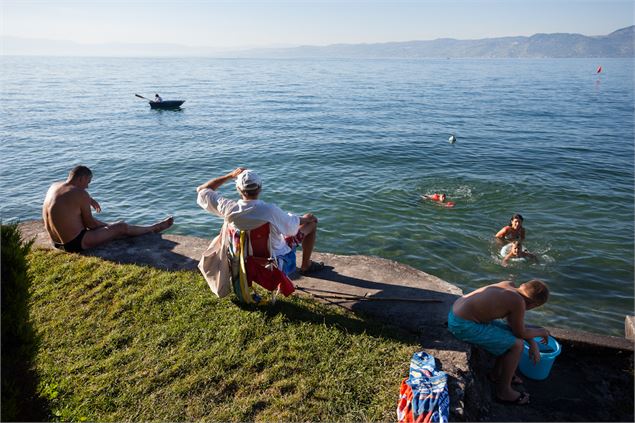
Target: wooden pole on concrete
352 297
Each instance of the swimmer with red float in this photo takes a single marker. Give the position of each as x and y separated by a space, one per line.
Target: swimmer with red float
439 198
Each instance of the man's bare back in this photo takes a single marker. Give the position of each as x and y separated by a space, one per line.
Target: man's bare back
489 303
62 212
70 223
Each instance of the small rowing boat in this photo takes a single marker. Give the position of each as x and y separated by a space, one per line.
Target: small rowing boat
166 104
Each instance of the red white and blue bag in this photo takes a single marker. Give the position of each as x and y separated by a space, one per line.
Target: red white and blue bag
424 396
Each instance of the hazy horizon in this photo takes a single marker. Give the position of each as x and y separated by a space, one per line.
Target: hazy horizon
447 47
285 45
223 25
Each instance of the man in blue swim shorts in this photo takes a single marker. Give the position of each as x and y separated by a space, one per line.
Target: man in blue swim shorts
474 318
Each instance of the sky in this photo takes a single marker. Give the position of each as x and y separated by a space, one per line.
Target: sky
266 23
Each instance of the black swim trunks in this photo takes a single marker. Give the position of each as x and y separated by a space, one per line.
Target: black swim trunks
74 246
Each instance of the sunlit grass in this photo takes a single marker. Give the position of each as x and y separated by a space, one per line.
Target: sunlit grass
132 343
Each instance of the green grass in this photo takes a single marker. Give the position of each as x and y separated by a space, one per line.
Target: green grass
132 343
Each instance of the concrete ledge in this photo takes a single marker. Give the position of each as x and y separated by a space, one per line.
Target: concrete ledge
163 251
629 327
589 340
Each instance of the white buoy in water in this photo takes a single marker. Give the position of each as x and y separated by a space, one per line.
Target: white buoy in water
452 139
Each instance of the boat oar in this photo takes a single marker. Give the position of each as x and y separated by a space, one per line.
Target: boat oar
140 96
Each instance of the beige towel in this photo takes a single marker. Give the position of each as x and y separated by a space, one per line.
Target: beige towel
214 264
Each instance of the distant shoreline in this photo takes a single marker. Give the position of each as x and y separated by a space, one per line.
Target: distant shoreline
618 44
334 59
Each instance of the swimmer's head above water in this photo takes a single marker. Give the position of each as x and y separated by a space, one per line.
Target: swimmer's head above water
516 221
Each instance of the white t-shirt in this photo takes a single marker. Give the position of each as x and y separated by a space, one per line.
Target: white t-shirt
250 214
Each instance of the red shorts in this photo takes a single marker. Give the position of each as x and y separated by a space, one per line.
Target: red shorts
294 241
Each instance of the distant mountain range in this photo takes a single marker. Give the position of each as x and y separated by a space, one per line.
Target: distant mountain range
617 44
561 45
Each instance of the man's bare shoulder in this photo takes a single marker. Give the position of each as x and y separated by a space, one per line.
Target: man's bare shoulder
54 191
504 291
55 186
506 284
510 295
67 192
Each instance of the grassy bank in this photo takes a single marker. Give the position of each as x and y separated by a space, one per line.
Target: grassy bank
124 342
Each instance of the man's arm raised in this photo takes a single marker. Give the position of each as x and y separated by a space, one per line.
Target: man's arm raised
216 183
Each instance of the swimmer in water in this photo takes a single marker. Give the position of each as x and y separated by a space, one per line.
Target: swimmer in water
514 231
439 198
517 251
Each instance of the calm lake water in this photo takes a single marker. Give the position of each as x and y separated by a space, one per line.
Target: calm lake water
357 142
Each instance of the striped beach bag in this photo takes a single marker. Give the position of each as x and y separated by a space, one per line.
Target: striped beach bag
423 395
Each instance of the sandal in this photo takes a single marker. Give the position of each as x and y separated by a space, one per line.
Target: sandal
313 267
523 399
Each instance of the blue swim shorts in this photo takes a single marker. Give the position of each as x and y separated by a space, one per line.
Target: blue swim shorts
287 263
495 337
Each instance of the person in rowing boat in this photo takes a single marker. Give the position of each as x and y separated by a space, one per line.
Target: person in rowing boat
69 221
157 98
288 230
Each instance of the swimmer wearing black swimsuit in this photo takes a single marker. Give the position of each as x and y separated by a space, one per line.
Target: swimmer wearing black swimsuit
74 246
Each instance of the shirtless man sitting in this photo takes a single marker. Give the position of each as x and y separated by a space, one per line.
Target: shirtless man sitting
473 319
70 223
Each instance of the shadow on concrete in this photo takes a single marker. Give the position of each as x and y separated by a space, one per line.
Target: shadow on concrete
586 383
428 319
147 250
391 290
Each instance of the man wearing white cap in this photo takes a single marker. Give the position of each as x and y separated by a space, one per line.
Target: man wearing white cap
287 230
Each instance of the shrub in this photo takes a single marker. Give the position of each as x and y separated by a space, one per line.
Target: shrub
18 341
